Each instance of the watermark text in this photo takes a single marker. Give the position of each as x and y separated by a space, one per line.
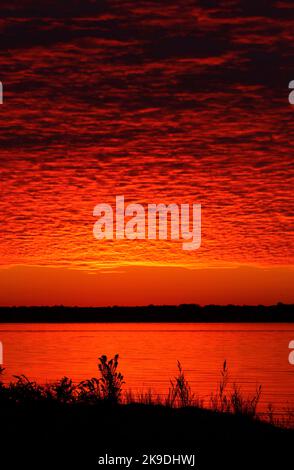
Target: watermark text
159 221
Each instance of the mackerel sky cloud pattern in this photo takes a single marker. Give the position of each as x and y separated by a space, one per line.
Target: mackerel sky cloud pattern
157 101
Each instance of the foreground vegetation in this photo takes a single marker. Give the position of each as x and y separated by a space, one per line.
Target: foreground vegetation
67 425
108 389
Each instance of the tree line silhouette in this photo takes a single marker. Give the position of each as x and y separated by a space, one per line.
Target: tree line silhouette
184 313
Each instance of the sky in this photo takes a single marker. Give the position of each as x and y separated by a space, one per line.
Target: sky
162 102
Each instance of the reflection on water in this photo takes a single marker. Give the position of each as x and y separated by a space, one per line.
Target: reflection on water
256 354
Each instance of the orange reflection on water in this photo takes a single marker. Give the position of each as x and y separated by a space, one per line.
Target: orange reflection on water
256 354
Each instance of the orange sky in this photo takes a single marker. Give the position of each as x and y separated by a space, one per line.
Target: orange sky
145 285
184 105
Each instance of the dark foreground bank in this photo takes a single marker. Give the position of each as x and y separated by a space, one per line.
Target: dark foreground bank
76 436
92 425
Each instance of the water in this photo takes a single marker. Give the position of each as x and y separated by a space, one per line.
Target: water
255 353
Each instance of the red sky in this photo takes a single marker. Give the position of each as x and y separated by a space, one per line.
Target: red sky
186 103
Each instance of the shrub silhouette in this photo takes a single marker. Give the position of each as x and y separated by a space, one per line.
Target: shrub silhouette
64 390
25 390
89 390
111 381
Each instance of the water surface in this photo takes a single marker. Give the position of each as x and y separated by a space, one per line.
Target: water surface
256 354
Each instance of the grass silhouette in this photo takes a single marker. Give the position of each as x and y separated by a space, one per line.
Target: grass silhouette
108 389
69 424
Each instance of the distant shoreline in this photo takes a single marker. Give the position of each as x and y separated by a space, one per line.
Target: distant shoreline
185 313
